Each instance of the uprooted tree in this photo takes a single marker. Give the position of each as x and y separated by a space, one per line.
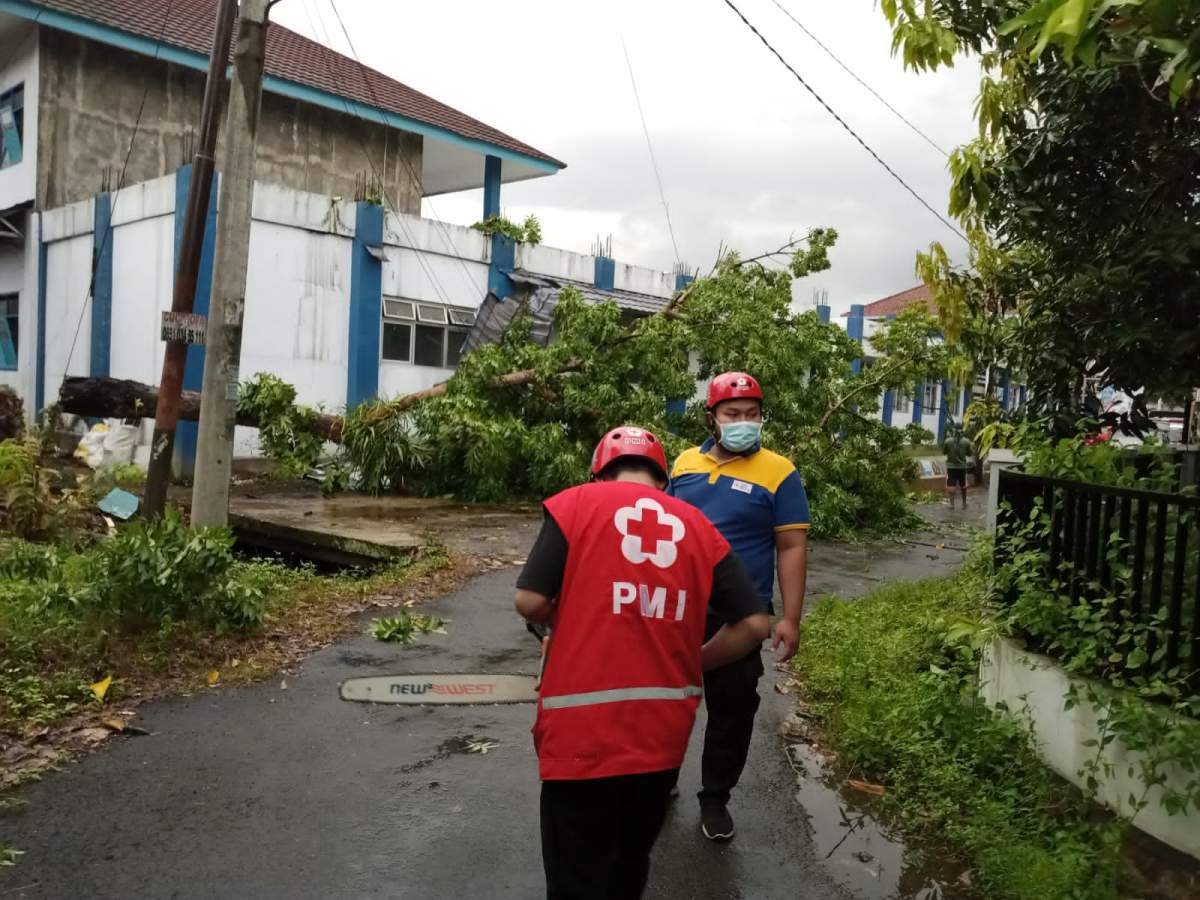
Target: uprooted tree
519 419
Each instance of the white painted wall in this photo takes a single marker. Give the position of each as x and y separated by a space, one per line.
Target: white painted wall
297 289
557 263
18 183
298 311
143 274
1034 687
68 311
643 280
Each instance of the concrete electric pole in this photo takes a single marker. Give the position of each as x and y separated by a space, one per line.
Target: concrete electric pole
166 412
219 395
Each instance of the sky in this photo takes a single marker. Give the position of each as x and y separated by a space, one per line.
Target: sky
748 158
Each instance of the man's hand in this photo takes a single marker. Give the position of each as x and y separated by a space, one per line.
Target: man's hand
787 634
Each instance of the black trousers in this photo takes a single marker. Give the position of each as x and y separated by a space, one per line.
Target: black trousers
597 834
731 697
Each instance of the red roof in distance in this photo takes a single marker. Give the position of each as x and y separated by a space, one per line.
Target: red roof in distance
897 303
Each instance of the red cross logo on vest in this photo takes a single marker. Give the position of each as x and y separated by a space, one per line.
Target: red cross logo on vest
649 533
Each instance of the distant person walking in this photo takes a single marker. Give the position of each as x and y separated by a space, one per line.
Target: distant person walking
625 575
957 447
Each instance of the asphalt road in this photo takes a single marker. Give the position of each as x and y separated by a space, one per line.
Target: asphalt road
289 792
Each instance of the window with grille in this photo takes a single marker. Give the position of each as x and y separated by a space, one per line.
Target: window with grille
9 321
424 334
12 125
903 403
930 398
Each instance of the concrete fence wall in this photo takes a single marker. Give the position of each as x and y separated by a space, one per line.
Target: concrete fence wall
1035 687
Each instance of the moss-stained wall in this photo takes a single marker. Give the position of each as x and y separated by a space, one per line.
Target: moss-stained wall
90 94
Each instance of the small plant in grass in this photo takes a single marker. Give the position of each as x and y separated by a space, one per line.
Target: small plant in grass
404 628
9 855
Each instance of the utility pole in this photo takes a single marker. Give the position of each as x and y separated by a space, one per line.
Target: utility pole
219 394
166 412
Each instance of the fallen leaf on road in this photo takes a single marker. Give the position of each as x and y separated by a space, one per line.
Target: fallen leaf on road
114 723
481 746
213 677
283 685
235 664
875 790
100 688
941 546
94 735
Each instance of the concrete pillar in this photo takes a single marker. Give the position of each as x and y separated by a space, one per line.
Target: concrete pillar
39 385
503 261
491 186
918 400
682 280
855 324
193 368
998 460
823 312
889 406
100 360
605 273
366 295
942 409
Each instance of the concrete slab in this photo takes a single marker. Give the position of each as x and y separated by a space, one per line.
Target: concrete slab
360 530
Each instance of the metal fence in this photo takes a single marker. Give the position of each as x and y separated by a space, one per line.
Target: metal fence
1136 550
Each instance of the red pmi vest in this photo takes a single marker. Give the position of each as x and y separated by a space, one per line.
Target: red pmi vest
623 678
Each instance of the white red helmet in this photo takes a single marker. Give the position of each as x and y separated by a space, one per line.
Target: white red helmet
629 440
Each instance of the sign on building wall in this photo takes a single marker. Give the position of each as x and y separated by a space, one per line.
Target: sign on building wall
188 328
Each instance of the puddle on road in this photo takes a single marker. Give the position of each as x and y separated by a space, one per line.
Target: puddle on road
857 850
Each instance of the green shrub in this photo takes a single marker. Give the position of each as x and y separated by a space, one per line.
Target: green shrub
892 677
148 572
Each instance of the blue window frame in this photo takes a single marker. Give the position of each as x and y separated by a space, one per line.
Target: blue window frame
9 306
12 125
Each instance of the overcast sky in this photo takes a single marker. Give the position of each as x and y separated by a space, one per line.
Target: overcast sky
747 156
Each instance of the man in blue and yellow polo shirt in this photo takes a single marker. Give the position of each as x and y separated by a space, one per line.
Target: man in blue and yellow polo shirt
756 500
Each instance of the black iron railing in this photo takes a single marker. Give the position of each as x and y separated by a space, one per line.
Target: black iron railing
1136 552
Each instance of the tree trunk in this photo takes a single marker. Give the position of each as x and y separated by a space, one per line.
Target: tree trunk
116 398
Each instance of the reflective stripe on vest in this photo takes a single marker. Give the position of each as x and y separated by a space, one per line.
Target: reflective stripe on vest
618 695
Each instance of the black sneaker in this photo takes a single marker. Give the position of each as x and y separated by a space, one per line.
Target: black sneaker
716 822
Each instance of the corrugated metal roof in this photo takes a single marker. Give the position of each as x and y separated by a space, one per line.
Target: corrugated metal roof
188 24
630 300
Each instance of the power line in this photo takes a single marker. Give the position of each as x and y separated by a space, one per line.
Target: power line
430 275
662 195
842 122
440 226
930 141
112 212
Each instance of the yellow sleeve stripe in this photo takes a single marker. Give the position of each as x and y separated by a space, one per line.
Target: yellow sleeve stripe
799 526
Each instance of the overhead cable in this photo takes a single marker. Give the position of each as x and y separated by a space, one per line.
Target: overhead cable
662 194
843 123
816 40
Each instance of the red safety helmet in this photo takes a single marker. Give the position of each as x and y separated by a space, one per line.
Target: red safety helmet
733 386
629 440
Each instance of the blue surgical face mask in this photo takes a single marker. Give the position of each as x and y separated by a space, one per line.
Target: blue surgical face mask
738 437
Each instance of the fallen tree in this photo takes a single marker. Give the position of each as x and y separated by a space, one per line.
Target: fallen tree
519 419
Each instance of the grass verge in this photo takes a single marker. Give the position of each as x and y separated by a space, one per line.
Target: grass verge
52 653
892 679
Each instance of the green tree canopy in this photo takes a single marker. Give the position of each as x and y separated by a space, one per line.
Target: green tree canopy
1082 191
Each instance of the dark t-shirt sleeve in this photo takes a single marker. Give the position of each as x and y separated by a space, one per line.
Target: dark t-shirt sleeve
547 561
734 595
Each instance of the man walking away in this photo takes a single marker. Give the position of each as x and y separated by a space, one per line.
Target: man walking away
756 500
957 447
624 574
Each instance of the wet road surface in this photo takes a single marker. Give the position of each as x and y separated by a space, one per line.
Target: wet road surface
282 790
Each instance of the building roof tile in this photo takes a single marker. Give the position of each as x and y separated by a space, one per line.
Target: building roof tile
188 24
